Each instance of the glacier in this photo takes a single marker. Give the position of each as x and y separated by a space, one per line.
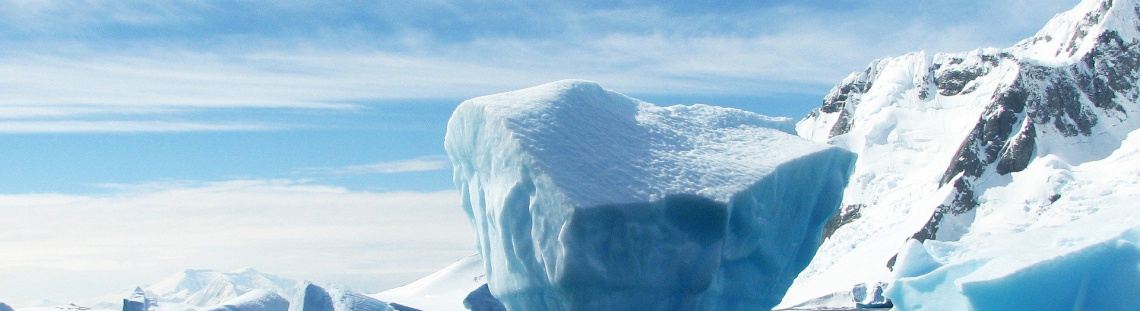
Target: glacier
585 199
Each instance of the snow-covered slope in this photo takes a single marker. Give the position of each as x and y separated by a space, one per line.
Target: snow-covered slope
443 290
585 199
947 143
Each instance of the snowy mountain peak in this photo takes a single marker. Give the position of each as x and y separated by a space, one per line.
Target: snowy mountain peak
1070 35
939 136
201 287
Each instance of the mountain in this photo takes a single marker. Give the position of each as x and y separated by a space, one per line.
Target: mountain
961 146
204 288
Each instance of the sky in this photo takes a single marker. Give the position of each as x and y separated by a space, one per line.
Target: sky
304 138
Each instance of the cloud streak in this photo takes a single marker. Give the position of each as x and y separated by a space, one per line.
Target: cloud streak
28 127
421 164
69 56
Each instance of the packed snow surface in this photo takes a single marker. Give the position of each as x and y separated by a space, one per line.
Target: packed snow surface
585 199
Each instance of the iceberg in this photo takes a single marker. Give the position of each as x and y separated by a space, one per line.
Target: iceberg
586 199
1090 264
870 295
138 301
311 297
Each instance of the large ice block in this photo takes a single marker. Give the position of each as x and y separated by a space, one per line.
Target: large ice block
585 199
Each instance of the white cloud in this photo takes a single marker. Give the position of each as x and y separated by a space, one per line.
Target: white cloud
639 49
421 164
124 126
66 247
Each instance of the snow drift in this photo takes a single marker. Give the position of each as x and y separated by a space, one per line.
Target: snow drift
585 199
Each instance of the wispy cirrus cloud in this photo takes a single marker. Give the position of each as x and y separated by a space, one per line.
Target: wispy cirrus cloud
420 164
125 127
75 55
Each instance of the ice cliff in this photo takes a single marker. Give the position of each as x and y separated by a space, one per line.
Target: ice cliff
585 199
961 150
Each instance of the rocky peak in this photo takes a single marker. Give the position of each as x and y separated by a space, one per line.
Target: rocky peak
1070 35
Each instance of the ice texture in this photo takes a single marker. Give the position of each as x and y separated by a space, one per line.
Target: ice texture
254 300
5 307
870 295
1055 270
585 199
312 297
482 300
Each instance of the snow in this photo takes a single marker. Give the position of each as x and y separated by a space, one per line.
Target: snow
583 198
1078 252
443 290
254 300
905 145
906 141
1067 36
200 287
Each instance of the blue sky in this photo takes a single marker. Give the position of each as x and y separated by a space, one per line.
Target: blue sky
119 101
